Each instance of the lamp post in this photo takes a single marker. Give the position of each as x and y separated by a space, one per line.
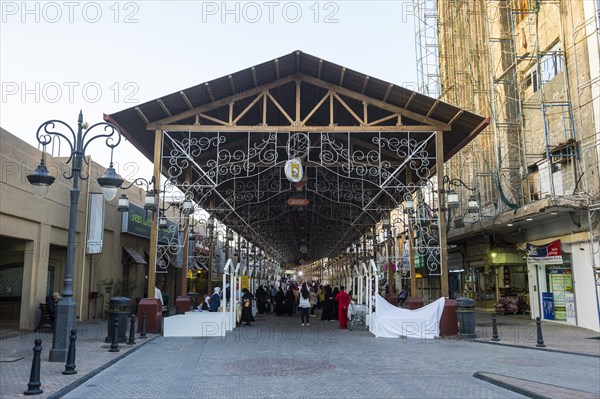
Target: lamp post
41 180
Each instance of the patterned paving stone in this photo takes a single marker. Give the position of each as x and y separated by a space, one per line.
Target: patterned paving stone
276 357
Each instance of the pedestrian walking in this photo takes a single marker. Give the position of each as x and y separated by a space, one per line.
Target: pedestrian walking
247 307
328 305
314 298
215 300
343 300
321 296
279 302
290 300
304 304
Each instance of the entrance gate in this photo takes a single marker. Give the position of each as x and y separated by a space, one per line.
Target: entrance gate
355 148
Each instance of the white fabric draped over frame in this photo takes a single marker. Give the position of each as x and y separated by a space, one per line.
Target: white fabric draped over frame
393 322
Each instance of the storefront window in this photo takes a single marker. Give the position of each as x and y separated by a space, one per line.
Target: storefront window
558 298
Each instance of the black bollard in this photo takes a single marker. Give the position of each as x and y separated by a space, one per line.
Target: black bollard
34 378
494 329
70 366
540 339
143 333
114 346
131 340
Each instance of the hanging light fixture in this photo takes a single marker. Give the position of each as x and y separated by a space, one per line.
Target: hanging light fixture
123 204
452 200
187 207
210 224
149 204
473 205
385 222
110 182
41 180
163 222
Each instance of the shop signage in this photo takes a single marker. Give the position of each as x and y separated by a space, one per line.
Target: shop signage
95 227
547 254
455 261
548 305
137 221
298 201
570 307
293 170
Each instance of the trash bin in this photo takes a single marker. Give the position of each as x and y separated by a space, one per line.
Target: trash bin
119 309
465 312
448 321
194 298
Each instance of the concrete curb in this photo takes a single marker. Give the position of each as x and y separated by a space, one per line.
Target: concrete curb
510 387
536 348
65 390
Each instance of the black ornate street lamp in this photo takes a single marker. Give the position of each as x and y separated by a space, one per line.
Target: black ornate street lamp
452 201
41 180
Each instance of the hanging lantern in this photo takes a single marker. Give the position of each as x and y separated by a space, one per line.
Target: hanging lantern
473 205
452 200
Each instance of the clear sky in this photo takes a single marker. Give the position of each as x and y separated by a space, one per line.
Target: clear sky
105 56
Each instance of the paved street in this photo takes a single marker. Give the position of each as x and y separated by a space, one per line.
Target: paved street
277 357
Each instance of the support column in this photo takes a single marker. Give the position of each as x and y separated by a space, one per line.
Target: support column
186 244
439 141
413 280
154 226
35 277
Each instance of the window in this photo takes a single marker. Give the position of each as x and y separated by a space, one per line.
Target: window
550 65
521 8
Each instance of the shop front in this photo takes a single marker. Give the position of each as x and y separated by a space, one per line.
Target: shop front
510 282
553 284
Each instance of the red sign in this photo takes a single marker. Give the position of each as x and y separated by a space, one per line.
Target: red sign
297 201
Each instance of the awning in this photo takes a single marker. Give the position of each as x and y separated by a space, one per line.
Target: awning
134 256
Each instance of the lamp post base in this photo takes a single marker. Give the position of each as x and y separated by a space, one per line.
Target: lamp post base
63 324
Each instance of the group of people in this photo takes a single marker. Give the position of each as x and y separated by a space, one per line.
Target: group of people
289 299
212 303
333 303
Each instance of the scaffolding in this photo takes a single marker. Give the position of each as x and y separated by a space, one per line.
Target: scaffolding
533 66
506 103
426 36
465 80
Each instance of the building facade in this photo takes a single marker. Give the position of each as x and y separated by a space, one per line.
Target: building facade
533 67
33 240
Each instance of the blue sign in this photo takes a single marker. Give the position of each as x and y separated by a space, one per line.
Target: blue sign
548 305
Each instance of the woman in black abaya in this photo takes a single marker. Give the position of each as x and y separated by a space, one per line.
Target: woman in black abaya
279 300
247 307
290 300
328 305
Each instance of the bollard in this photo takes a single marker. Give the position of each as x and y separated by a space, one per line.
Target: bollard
114 346
494 329
143 333
131 340
70 366
34 378
540 339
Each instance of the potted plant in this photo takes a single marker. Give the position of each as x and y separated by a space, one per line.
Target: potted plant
113 288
